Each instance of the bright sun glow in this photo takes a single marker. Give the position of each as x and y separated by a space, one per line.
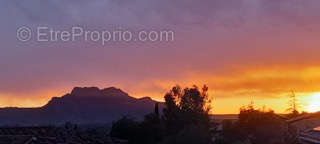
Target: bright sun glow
314 103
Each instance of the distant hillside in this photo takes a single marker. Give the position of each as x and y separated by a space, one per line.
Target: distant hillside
83 105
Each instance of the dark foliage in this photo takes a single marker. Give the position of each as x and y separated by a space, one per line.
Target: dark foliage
186 107
150 130
256 126
186 116
125 128
185 120
191 134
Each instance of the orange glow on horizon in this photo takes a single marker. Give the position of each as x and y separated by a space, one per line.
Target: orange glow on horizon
269 86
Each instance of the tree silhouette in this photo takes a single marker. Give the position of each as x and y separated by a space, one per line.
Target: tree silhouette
186 107
293 105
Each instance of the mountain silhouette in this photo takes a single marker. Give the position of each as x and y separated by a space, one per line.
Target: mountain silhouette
83 106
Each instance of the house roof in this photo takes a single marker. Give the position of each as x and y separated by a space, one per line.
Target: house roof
311 135
303 117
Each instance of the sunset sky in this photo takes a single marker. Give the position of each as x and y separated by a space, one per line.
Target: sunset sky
243 50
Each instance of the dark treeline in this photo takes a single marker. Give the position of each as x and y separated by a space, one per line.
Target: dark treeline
185 119
256 126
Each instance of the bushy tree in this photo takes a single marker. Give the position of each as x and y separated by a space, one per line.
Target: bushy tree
257 126
183 110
